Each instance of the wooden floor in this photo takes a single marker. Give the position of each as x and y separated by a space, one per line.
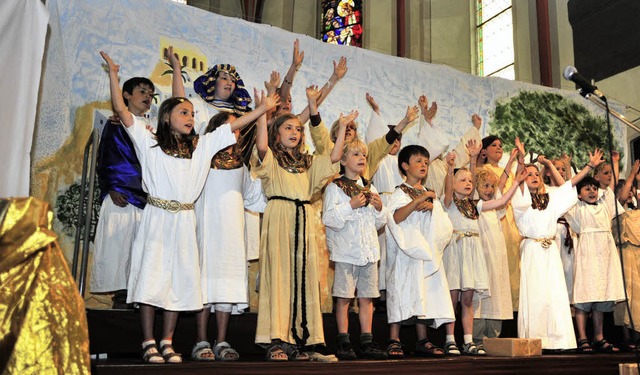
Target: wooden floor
116 334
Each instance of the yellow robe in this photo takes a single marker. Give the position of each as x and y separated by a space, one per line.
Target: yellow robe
279 256
377 150
44 325
512 239
630 233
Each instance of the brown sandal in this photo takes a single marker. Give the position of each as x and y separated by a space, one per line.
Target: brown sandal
275 353
394 349
427 349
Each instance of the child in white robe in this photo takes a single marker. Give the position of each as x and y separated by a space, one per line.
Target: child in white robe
598 274
464 259
544 307
165 271
220 229
417 232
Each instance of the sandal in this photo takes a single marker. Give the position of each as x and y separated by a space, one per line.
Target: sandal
275 353
294 353
202 352
168 353
394 349
584 347
471 348
427 349
224 352
603 346
451 349
628 347
150 354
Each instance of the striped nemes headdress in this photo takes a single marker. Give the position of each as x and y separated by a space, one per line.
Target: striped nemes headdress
206 84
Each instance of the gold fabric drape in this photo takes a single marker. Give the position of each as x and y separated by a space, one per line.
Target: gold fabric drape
43 325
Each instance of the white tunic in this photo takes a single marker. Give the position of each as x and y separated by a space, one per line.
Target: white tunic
463 258
115 233
352 235
494 248
598 274
544 311
416 281
165 267
567 253
220 229
386 178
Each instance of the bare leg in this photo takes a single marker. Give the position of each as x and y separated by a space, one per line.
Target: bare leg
202 323
222 321
169 324
581 324
147 318
365 314
342 314
467 312
449 327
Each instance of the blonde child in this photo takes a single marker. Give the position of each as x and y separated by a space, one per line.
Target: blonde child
352 214
289 314
417 232
464 259
544 308
165 271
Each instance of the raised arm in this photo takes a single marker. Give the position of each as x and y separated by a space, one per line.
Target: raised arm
473 149
448 181
372 103
336 153
615 167
117 101
272 84
557 177
624 191
262 137
339 70
503 200
296 63
507 169
521 154
429 113
177 86
410 115
595 159
266 103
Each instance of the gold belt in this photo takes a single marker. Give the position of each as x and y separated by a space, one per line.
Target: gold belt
172 206
462 234
544 242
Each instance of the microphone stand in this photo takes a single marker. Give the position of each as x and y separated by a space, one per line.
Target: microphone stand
620 117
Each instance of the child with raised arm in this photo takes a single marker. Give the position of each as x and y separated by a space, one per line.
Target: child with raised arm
165 271
463 259
122 195
544 310
289 314
417 232
353 213
597 283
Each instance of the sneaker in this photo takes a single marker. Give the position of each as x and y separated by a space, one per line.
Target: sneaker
372 351
345 351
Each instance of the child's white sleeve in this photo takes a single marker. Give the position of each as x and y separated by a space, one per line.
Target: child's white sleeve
253 195
335 211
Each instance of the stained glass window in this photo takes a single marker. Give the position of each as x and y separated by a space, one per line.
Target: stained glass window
494 35
342 22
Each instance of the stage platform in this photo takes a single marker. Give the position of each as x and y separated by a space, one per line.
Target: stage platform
117 334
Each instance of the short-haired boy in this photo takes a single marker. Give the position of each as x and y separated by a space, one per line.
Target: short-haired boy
122 196
418 230
597 284
353 213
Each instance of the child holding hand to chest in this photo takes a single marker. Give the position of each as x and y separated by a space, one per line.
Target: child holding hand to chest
353 213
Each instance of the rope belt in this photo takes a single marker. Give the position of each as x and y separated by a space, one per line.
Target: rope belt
462 234
544 242
300 209
172 206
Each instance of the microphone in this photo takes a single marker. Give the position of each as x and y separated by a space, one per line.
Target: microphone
571 74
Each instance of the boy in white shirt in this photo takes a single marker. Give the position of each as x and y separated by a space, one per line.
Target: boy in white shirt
353 213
